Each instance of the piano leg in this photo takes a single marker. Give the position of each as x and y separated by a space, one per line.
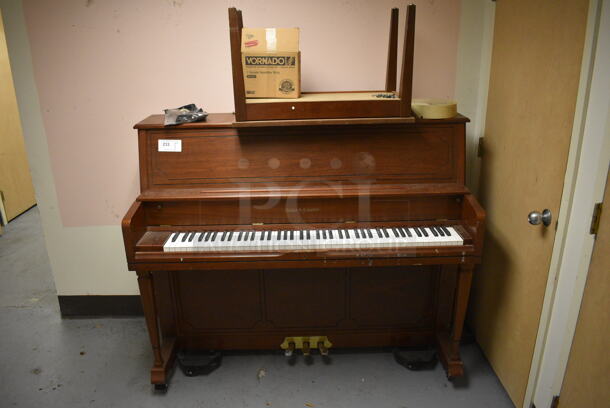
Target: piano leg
164 353
449 343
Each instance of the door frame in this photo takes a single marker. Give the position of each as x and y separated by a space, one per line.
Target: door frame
584 183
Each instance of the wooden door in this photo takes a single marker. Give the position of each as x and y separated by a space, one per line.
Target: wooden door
587 379
534 79
15 181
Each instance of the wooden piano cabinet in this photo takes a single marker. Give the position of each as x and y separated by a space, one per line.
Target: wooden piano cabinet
303 177
212 309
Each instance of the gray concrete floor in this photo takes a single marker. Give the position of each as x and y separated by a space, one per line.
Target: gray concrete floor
50 362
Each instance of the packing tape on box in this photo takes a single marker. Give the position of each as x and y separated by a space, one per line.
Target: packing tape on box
434 108
271 39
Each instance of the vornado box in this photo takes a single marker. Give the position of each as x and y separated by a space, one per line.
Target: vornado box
271 62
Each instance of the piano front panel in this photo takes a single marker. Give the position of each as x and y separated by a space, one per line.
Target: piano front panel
228 157
215 299
263 306
303 211
298 299
387 291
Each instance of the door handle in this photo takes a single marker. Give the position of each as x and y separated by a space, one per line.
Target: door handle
535 217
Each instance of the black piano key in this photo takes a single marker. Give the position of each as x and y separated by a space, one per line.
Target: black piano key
292 235
191 236
252 235
418 232
379 235
440 231
357 234
386 233
239 235
301 234
230 237
434 231
397 234
423 231
324 234
184 237
317 234
331 235
269 235
408 232
308 234
342 234
447 232
214 236
402 232
208 235
175 237
370 233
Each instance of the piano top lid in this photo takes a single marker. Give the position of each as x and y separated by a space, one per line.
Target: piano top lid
227 120
330 192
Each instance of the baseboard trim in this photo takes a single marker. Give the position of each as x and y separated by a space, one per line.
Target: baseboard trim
100 306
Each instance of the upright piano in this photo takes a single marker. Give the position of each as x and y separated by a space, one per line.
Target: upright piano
363 233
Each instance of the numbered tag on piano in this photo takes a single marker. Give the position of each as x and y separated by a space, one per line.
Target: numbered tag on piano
170 145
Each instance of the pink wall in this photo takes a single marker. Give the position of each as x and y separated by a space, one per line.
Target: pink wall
101 66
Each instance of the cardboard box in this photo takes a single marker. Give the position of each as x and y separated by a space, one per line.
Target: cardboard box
271 62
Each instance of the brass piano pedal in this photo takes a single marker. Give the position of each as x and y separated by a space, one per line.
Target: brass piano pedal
323 349
303 343
306 349
289 351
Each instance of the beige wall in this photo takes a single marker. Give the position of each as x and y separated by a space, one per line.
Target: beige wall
88 70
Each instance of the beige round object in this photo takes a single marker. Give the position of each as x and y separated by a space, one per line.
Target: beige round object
434 108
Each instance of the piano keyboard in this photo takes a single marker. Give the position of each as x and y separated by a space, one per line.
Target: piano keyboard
230 241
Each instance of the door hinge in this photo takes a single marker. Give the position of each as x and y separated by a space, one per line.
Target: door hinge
597 212
480 148
555 401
